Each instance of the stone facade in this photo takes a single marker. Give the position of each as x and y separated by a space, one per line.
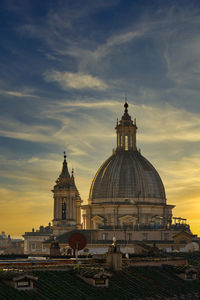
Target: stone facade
126 215
33 241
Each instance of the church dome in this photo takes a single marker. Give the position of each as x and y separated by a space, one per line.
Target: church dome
127 175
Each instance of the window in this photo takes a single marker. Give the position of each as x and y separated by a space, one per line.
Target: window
104 236
84 221
166 236
129 236
23 283
118 140
126 142
109 219
145 236
121 141
146 218
63 211
33 246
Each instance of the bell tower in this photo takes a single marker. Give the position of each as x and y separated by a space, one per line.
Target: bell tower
67 202
126 132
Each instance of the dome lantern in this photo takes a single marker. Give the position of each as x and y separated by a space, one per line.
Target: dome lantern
126 132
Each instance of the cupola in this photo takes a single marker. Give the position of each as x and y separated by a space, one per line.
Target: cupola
126 132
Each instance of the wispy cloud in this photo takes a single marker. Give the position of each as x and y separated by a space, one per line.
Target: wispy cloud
110 46
171 124
92 104
18 94
77 81
22 131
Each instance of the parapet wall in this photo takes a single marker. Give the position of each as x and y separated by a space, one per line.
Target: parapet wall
157 262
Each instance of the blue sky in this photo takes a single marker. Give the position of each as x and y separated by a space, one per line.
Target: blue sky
65 67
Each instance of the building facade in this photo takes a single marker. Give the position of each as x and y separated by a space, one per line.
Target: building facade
33 241
126 200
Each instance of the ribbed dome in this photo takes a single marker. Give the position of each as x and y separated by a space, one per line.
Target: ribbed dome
127 174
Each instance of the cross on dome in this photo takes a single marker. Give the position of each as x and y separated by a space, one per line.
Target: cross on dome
126 105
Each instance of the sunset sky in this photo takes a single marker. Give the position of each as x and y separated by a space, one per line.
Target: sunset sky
65 68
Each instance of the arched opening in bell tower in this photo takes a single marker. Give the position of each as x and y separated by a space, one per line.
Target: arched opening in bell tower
64 211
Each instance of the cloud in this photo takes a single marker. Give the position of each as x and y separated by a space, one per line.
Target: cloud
33 159
76 151
116 41
92 105
159 48
181 53
169 47
17 94
112 44
76 81
28 132
171 124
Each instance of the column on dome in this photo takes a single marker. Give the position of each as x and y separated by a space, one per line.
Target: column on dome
126 132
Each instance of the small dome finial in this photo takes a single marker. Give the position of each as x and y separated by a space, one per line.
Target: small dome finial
65 155
126 106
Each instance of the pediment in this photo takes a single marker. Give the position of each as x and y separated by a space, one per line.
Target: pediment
183 234
127 218
182 237
97 218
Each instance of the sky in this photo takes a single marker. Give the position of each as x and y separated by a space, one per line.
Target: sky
65 68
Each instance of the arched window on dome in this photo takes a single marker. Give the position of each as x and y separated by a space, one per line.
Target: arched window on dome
126 143
121 141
